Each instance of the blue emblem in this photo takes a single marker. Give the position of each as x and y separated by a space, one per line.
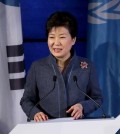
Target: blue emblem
100 13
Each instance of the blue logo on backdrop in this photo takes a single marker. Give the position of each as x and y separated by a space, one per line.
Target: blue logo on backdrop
11 2
104 49
100 13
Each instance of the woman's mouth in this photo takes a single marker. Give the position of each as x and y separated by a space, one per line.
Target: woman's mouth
57 50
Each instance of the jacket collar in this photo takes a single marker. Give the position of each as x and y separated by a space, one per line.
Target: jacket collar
52 59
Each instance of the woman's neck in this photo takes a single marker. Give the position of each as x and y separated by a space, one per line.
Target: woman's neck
62 63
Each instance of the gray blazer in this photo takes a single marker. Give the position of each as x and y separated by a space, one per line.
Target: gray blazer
41 95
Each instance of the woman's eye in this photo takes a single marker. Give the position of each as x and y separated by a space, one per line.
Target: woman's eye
62 37
51 37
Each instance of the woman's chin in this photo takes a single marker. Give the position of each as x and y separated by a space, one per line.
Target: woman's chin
57 56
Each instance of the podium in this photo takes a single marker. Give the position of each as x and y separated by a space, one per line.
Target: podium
70 126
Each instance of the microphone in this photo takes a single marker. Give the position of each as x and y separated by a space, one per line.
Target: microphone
54 80
97 104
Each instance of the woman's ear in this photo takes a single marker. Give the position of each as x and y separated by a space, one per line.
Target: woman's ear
74 40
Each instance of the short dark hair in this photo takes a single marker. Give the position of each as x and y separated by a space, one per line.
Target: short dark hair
62 19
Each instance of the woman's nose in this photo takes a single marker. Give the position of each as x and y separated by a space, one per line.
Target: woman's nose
57 41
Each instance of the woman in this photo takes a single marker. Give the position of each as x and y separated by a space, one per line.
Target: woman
51 90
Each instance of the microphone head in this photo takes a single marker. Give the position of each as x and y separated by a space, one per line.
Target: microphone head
74 78
54 78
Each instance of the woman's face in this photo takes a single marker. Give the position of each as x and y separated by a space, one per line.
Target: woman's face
60 42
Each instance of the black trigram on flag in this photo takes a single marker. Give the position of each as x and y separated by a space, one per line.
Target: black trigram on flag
16 69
